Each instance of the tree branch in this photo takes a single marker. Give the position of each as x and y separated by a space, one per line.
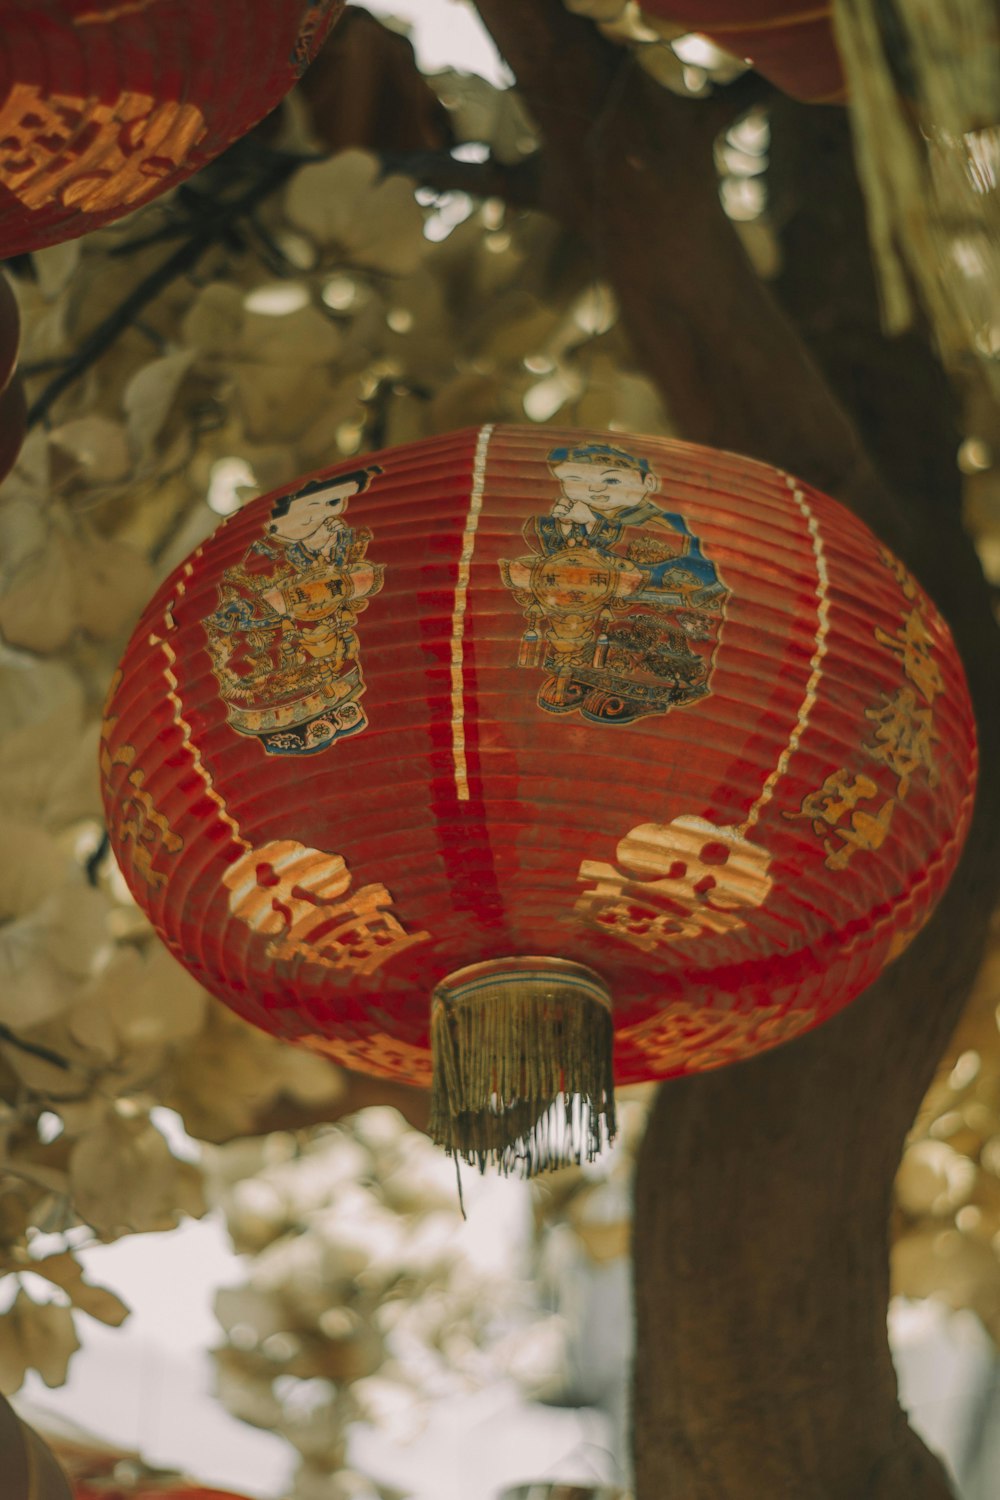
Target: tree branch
629 166
516 183
33 1049
214 223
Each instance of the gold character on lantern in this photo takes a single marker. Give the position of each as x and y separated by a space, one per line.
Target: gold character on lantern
301 900
684 879
904 737
902 575
93 154
913 644
141 823
828 807
282 639
686 1039
623 608
903 742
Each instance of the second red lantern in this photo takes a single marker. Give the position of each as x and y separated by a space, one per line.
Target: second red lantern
104 105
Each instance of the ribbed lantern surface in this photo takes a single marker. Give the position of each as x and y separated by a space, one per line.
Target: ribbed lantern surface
526 726
104 104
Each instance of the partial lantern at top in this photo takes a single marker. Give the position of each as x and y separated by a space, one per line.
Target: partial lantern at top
452 761
790 42
104 104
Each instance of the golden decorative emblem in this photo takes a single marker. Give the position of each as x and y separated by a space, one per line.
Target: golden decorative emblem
904 740
142 824
679 880
301 900
92 154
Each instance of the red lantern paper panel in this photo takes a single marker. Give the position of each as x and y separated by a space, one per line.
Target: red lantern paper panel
104 105
659 713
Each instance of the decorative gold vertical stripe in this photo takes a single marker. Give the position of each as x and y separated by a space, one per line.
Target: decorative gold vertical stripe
815 664
178 707
458 613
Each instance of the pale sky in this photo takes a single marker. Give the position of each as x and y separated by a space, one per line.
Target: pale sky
446 34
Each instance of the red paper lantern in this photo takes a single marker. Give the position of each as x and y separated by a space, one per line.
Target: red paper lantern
104 104
789 42
564 730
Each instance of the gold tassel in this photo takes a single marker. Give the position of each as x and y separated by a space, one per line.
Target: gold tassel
522 1054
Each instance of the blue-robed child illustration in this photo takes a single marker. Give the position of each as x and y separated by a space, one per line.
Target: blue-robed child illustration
604 491
623 605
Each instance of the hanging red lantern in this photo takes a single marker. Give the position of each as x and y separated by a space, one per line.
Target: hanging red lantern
104 105
489 746
789 42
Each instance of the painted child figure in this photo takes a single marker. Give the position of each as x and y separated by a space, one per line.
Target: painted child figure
613 608
282 640
605 490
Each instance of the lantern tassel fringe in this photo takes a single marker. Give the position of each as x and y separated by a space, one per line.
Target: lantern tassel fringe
522 1077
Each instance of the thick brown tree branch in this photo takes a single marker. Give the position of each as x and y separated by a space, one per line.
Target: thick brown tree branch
629 167
764 1190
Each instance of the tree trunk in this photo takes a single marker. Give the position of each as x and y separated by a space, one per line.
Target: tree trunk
763 1192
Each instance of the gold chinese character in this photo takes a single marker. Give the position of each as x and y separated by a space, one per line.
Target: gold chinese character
147 828
912 644
291 894
867 831
902 576
904 738
838 796
680 880
141 823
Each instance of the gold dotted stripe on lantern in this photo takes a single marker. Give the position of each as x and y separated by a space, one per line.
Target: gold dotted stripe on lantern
458 613
178 707
816 662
